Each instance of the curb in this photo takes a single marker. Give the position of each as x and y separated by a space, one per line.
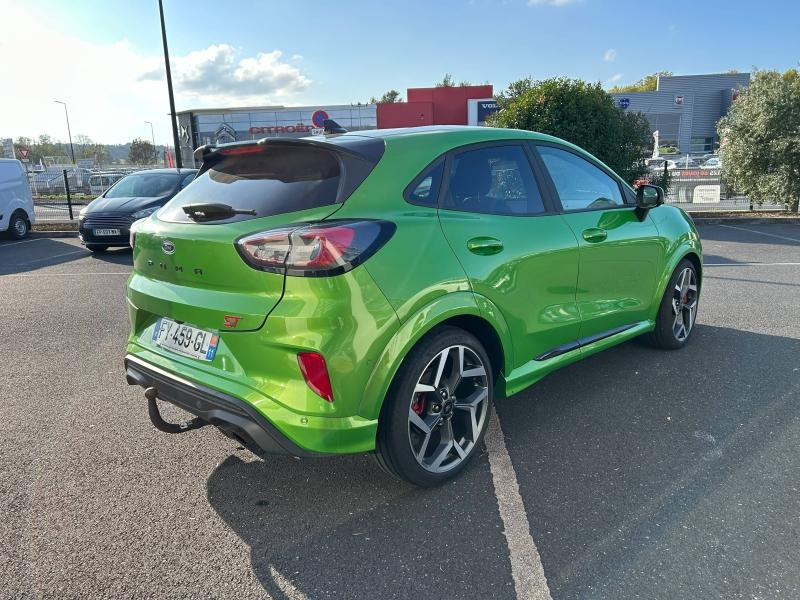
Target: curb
53 234
747 220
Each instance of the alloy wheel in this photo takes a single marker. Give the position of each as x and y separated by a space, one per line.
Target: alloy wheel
448 409
684 304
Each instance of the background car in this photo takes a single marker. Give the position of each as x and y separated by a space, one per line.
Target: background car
106 221
687 162
712 163
657 164
100 182
16 201
373 291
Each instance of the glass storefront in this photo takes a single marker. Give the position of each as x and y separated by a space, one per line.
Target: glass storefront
240 124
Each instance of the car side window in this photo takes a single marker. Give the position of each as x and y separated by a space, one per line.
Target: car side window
580 184
493 180
425 188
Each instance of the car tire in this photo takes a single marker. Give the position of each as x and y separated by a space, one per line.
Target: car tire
437 410
97 248
677 312
18 226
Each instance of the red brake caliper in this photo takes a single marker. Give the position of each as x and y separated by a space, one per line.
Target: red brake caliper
418 406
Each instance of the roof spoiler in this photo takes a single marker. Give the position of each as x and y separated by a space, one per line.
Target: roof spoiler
331 126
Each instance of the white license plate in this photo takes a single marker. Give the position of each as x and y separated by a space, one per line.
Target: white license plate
106 231
185 339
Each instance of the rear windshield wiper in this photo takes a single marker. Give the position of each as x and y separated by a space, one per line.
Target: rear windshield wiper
214 212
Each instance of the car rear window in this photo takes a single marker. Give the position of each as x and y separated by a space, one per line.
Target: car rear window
271 180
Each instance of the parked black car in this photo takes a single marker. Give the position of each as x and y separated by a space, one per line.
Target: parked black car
107 220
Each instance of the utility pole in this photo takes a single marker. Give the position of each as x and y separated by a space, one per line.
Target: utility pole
175 140
153 137
69 133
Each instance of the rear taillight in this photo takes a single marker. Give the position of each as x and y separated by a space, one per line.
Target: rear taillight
315 372
315 249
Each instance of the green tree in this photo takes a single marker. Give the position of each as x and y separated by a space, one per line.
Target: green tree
389 97
447 81
582 113
41 147
85 147
648 83
141 152
514 90
760 139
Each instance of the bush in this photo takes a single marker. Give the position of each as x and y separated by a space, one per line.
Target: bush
582 113
760 148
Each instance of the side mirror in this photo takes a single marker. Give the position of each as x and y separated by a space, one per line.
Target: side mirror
647 197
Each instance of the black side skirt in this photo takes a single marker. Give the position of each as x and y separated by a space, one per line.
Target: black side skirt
591 339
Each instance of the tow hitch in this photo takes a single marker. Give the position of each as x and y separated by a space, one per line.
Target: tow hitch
159 423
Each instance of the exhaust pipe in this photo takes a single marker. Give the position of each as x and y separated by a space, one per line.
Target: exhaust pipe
159 423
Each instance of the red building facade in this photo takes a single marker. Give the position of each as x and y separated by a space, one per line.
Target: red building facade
432 106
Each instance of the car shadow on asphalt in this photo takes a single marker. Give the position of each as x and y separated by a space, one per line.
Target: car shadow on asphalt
37 254
341 528
616 456
633 464
49 252
115 256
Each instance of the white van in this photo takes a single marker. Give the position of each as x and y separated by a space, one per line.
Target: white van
16 202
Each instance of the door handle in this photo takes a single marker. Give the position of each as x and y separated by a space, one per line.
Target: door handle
594 234
485 246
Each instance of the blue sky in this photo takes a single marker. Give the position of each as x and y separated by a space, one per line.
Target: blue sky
304 52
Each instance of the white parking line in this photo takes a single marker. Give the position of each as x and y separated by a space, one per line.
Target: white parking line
772 235
20 242
526 564
126 273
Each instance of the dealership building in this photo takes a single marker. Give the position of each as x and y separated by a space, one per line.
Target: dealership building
684 109
224 125
464 105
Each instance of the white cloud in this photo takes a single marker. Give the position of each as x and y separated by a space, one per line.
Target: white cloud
610 55
616 78
220 75
552 2
111 89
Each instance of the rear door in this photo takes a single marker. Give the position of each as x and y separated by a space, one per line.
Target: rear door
620 255
192 271
514 249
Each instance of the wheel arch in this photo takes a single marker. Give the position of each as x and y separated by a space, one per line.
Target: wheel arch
687 249
698 266
456 309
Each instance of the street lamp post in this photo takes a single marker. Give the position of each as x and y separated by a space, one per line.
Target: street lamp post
153 137
69 133
175 140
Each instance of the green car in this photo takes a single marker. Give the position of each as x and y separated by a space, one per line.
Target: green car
375 291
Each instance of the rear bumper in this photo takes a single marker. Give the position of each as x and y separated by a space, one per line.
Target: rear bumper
233 416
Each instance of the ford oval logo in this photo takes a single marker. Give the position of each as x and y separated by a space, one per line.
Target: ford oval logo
168 247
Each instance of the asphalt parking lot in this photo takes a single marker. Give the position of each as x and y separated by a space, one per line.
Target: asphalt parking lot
641 473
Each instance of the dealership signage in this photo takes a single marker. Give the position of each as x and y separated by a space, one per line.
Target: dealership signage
299 128
486 108
624 103
679 100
